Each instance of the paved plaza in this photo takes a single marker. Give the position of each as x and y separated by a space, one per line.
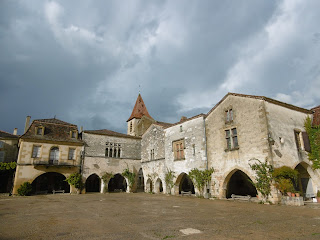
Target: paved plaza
151 216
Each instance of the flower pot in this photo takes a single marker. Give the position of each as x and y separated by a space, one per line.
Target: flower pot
297 194
293 194
318 199
289 194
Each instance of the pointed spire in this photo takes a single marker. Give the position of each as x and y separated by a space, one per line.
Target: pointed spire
139 109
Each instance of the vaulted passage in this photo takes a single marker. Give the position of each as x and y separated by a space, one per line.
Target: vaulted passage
93 183
304 185
50 181
186 185
140 184
158 186
117 184
239 184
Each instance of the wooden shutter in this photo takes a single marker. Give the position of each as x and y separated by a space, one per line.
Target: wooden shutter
306 142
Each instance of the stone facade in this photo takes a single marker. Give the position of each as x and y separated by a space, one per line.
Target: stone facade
98 161
236 132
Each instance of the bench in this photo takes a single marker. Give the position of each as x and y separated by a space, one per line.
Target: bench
240 197
57 191
185 193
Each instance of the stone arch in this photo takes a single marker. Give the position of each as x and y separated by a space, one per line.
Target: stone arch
49 181
183 183
93 183
140 181
306 179
117 184
149 185
238 182
158 188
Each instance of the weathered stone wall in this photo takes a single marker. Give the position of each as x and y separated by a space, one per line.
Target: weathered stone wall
27 171
10 149
95 145
249 119
282 122
95 161
193 133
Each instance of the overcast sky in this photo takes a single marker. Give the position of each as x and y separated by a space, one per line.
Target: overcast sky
83 61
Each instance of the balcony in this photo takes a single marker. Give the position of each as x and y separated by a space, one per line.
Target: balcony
54 163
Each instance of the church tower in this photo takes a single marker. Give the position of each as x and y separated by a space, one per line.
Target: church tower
139 118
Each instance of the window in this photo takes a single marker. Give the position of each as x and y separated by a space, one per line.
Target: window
232 139
1 144
73 134
39 130
152 154
229 116
1 156
36 151
302 140
181 128
178 148
113 150
72 154
193 149
54 155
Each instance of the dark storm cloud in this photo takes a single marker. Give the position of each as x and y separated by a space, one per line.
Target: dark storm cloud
83 61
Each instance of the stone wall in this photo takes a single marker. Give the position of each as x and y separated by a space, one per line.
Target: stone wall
249 119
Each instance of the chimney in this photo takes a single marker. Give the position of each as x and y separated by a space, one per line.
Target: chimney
27 124
15 131
81 129
183 118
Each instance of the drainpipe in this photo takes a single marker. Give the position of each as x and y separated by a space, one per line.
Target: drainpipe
205 142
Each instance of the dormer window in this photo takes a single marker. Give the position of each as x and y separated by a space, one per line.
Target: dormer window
73 134
39 131
229 116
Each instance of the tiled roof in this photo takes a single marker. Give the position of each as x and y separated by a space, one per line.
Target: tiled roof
109 133
163 124
54 130
54 121
187 119
7 135
139 109
270 100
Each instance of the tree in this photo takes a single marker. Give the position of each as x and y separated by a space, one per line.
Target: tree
169 179
264 177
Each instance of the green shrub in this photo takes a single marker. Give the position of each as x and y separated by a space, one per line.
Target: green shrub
75 180
284 185
130 176
284 178
25 189
318 193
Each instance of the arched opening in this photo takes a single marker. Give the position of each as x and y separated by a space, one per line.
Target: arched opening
117 184
185 183
93 183
149 185
54 155
158 186
47 182
239 184
304 184
140 184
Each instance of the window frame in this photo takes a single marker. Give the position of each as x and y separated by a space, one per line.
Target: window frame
232 140
41 129
229 115
39 151
74 154
178 147
53 160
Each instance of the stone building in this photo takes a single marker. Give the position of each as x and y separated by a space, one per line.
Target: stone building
106 151
236 132
49 151
8 153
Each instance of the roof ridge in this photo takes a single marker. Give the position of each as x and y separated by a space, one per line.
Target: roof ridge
60 122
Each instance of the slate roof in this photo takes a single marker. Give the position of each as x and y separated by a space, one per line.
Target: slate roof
110 133
4 135
139 109
54 130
